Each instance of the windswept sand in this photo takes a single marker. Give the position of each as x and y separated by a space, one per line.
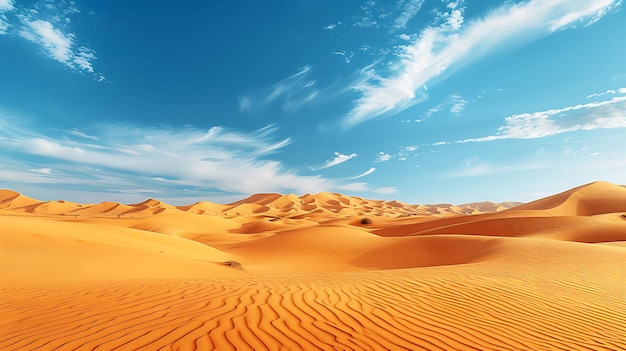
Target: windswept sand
547 275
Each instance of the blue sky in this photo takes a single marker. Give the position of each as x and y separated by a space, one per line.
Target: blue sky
424 101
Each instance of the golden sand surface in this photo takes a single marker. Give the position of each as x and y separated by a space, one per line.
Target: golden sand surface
324 271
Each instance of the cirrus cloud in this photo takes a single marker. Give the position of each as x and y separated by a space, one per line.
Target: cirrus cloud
218 158
451 43
48 25
338 159
607 114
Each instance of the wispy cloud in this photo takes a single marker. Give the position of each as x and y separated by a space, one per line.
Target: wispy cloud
383 157
5 6
47 25
607 114
220 159
411 9
610 91
333 25
364 187
338 159
368 172
458 105
474 166
386 190
347 57
292 93
454 103
80 134
452 43
55 43
359 186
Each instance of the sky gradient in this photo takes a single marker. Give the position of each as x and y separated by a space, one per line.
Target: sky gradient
422 101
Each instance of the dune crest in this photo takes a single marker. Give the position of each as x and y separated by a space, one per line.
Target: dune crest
586 200
319 271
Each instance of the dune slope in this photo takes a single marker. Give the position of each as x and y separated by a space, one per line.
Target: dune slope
315 272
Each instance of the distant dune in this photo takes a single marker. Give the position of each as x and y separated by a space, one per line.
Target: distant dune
320 271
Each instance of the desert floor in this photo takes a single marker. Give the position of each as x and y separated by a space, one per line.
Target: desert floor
324 271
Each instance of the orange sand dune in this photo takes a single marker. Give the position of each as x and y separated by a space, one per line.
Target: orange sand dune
586 200
11 200
320 271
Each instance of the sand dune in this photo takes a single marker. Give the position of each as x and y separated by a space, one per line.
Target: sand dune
319 271
586 200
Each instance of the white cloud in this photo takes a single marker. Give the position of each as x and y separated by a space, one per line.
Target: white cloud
42 170
222 159
291 84
411 9
454 103
365 22
29 177
383 157
6 5
292 92
476 167
244 104
353 187
458 107
606 114
339 159
48 26
368 172
54 42
84 58
80 134
610 91
347 57
386 190
404 36
622 90
458 104
450 44
333 25
4 24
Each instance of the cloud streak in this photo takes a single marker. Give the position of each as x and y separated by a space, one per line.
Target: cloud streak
292 93
366 173
451 43
383 157
219 159
338 159
5 6
411 9
48 26
607 114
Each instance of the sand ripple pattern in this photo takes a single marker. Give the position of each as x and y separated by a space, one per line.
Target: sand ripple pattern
401 310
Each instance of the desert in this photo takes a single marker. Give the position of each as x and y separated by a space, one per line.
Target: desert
320 271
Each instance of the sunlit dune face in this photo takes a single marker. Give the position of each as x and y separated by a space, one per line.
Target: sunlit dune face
325 270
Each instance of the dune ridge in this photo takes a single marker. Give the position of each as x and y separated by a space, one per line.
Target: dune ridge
320 271
270 205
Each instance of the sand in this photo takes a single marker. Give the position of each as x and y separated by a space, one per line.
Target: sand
287 272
